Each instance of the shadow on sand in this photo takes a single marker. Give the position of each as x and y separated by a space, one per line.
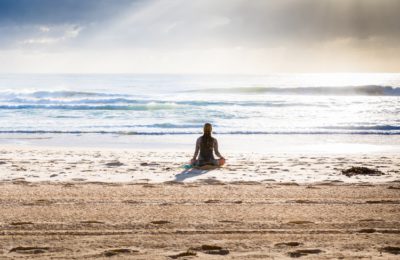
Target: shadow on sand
193 172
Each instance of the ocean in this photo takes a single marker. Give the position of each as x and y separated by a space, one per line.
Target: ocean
306 104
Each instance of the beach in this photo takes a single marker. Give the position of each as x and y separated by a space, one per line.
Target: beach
152 161
96 166
80 202
199 220
199 129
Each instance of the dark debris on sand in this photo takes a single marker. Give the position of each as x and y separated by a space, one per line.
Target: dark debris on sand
114 164
361 171
304 252
114 252
211 250
29 250
288 244
187 253
391 250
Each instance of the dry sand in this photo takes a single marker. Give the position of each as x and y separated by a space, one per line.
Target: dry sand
60 203
108 165
156 221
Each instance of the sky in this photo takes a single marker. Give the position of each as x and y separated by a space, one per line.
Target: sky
199 36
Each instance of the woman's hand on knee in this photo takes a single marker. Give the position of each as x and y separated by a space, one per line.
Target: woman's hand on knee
221 161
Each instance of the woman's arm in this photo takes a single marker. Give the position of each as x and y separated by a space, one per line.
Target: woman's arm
196 151
216 148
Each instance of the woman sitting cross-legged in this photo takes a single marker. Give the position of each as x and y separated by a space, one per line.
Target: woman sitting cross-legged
207 145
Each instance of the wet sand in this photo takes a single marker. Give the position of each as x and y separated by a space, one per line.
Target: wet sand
211 220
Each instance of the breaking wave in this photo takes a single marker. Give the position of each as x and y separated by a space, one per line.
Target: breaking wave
71 100
371 90
188 129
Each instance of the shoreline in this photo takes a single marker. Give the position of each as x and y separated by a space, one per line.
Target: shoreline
55 164
263 143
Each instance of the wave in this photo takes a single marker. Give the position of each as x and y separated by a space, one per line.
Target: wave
70 100
363 128
313 132
370 90
58 94
76 100
139 107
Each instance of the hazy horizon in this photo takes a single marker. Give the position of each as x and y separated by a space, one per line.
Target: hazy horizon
199 37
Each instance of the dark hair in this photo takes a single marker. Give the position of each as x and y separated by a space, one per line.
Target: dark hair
207 140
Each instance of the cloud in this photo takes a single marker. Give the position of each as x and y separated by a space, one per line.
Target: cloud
208 23
53 35
235 35
250 24
44 29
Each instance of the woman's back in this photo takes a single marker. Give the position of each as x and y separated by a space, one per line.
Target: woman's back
207 144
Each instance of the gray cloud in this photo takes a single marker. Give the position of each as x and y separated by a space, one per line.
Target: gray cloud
362 31
179 23
205 23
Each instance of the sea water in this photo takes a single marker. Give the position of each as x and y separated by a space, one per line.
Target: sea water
124 104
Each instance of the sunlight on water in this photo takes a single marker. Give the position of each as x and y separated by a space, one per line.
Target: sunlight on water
174 104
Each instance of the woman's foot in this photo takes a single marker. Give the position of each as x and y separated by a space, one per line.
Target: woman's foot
221 161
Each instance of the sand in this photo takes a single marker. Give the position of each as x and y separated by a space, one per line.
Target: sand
82 204
35 164
155 221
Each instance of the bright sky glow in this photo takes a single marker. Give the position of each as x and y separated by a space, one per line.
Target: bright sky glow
199 36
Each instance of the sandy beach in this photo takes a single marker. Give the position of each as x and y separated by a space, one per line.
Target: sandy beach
109 108
89 203
78 164
199 220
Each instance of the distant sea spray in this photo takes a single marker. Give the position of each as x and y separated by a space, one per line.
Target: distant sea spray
158 105
371 90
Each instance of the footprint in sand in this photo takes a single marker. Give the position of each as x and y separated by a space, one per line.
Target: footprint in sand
211 250
21 223
160 222
300 222
382 202
38 203
367 230
149 186
78 179
312 187
370 220
91 222
301 201
229 221
304 252
395 250
114 252
114 164
29 250
187 253
212 201
288 244
131 202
